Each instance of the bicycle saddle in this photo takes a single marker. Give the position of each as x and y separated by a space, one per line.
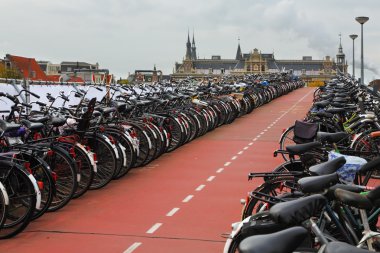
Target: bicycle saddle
342 247
322 104
328 167
351 188
331 137
32 125
297 211
327 96
335 110
316 184
353 199
343 94
299 149
8 127
371 165
43 119
285 241
57 122
324 114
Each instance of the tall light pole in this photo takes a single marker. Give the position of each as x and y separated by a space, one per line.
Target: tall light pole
353 37
361 21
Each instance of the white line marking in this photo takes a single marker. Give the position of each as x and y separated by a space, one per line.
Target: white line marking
265 130
250 144
220 170
262 133
234 157
200 188
240 152
258 136
154 228
255 139
210 178
227 164
245 148
187 199
132 247
172 212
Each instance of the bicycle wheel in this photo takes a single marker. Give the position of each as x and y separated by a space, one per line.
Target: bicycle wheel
287 140
258 200
44 180
4 202
106 160
85 169
22 199
64 172
42 173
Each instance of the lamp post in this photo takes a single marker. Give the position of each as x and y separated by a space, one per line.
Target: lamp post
353 37
361 21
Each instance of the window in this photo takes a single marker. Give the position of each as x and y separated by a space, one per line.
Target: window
222 70
255 67
33 74
68 69
210 70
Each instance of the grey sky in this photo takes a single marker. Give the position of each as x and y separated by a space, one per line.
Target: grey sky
124 35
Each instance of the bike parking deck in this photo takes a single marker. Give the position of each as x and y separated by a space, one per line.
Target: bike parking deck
182 202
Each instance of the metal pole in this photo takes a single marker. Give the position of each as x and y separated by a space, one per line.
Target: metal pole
362 58
361 20
353 37
353 58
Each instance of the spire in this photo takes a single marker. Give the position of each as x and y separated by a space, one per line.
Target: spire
239 56
340 57
193 49
340 44
188 47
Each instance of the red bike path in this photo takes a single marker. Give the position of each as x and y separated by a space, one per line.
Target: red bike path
182 202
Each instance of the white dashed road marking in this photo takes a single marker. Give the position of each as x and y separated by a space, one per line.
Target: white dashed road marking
154 228
200 188
234 157
220 170
227 164
172 212
187 199
132 247
210 178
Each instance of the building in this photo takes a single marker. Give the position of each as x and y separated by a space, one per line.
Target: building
27 67
31 69
148 76
256 62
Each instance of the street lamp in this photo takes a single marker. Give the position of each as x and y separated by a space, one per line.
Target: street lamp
353 37
361 21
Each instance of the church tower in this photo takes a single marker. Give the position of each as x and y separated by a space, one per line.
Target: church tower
188 61
188 48
193 50
239 55
341 58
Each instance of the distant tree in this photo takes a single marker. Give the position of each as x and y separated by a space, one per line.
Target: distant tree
9 73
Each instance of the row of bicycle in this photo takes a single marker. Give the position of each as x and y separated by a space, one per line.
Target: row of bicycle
325 197
55 153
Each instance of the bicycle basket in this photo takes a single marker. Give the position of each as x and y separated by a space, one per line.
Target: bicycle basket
304 132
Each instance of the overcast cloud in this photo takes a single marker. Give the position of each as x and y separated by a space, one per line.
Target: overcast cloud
124 35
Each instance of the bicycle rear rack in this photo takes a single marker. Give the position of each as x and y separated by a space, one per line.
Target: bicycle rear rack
274 174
